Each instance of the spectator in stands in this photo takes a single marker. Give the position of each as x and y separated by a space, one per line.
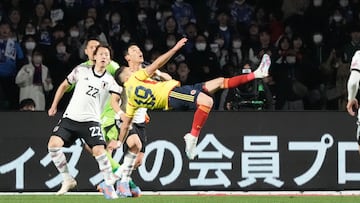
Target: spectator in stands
27 105
183 13
264 46
202 62
223 28
11 57
39 14
34 80
28 44
353 45
242 13
15 21
334 73
183 74
288 78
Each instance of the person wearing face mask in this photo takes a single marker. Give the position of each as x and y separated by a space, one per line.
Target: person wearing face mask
337 29
34 80
28 45
203 63
235 53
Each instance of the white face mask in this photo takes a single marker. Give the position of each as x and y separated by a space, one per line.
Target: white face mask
200 46
148 46
214 48
30 45
317 38
337 18
158 15
125 38
30 32
74 33
223 28
142 17
236 44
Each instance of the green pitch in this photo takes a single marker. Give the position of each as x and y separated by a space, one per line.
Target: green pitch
177 199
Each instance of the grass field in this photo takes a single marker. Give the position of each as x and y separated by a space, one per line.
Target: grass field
180 199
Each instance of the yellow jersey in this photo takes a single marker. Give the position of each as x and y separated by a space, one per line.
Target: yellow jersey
141 91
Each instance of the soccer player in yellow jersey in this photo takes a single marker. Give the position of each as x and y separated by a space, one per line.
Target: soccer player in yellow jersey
142 92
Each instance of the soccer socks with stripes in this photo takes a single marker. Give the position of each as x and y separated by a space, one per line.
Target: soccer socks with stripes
238 80
59 160
105 169
126 167
200 116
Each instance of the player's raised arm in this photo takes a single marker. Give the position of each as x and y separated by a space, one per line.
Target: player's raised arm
164 58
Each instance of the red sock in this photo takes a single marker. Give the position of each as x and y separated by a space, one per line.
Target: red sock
238 80
200 117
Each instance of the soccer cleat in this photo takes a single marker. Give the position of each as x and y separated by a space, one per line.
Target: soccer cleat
136 192
190 145
123 189
263 69
107 190
66 186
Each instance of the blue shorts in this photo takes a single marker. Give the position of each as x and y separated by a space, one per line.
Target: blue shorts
184 97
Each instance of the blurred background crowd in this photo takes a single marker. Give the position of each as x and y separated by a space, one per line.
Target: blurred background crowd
311 43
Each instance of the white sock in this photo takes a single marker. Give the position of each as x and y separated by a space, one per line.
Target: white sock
126 167
59 159
105 168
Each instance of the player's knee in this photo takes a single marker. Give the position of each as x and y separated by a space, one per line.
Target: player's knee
98 150
55 142
205 100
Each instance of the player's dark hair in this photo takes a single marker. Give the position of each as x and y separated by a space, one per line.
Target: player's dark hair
117 75
104 46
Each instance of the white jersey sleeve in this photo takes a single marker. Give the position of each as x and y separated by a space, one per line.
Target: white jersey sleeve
354 79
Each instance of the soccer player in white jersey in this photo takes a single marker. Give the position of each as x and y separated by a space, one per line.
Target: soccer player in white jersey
353 87
81 118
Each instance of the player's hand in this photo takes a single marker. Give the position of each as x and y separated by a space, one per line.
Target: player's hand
52 111
351 106
180 43
114 144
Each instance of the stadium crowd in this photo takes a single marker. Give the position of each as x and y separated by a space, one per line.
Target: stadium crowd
310 42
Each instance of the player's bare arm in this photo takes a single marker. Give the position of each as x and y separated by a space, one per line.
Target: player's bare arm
58 95
124 129
164 58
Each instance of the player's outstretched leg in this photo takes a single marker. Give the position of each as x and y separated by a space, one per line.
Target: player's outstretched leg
263 69
190 145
